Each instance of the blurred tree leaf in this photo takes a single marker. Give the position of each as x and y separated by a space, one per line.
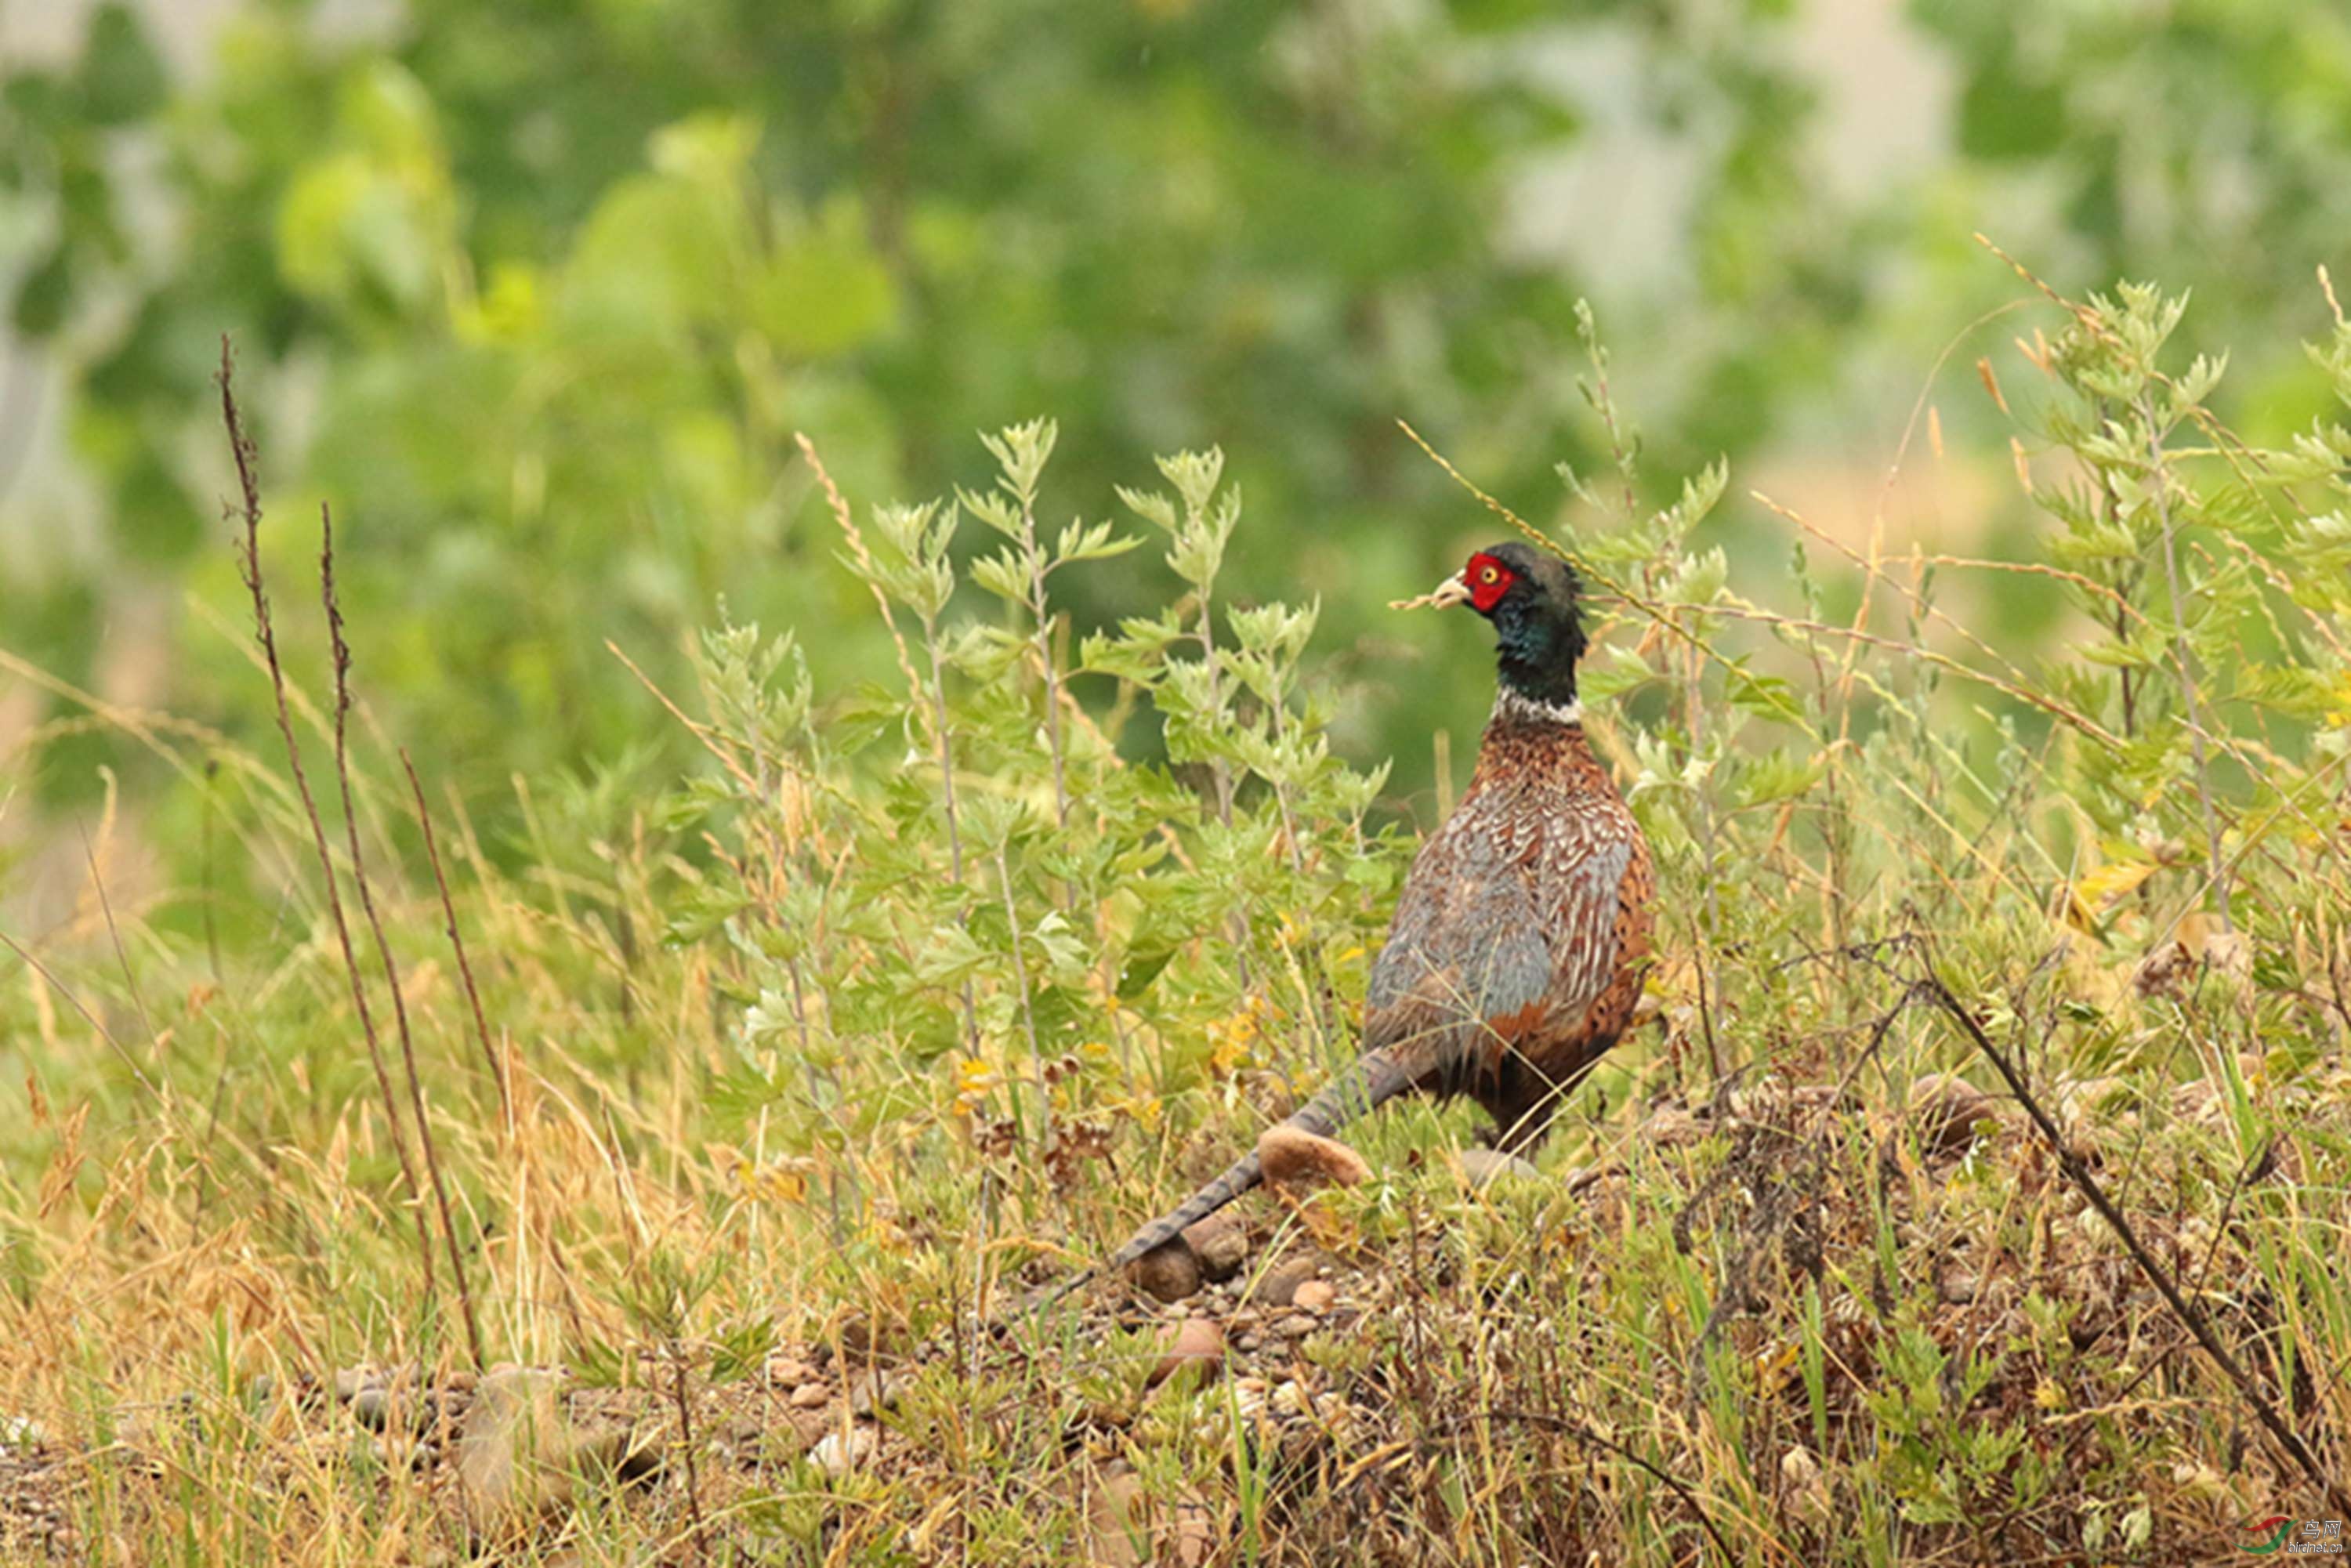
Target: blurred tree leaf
122 78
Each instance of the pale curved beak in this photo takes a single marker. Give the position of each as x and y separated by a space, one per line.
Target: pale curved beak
1451 592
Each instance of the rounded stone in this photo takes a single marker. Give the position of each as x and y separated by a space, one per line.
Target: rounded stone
1169 1272
1220 1242
1944 1111
510 1457
1481 1168
1129 1527
873 1389
1195 1342
837 1453
1278 1286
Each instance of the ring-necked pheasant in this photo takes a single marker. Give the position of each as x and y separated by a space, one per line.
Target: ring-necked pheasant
1515 956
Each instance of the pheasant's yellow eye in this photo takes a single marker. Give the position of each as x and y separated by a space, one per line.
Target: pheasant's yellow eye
1489 575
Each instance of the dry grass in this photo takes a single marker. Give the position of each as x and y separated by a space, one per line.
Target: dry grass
1795 1313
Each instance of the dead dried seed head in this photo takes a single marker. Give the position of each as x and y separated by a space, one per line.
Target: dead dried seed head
2161 973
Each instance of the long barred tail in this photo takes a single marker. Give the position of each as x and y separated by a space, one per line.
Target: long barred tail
1237 1178
1377 1077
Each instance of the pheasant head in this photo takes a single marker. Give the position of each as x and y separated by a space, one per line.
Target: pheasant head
1531 598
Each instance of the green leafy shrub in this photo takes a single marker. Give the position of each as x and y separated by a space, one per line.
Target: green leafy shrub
1033 931
2128 862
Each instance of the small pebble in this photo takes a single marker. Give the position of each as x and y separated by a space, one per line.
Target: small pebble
1314 1296
809 1396
1279 1285
837 1454
1945 1109
401 1454
873 1390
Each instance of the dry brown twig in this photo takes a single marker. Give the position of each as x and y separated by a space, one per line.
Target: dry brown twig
1931 987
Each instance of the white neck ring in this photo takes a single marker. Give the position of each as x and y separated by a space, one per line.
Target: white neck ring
1522 709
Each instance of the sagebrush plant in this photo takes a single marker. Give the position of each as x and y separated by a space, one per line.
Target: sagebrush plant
965 883
924 990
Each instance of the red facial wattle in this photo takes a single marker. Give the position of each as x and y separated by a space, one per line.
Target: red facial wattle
1487 580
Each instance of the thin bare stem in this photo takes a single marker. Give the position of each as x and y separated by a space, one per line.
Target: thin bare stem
241 448
457 943
2026 694
31 961
342 654
1028 1008
2187 660
1604 403
1216 769
1218 775
1919 602
1040 617
678 1393
114 935
938 693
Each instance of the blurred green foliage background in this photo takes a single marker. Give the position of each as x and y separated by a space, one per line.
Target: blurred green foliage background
536 294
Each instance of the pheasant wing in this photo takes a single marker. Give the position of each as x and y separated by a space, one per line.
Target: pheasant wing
1467 957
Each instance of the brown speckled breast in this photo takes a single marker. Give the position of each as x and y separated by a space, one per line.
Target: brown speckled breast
1520 943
